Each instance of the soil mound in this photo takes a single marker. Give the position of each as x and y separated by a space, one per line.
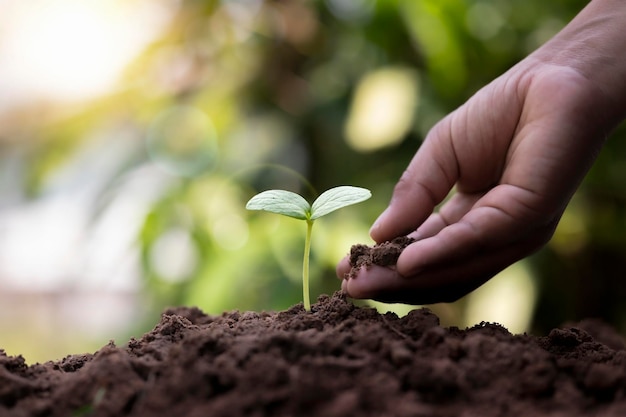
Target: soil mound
337 360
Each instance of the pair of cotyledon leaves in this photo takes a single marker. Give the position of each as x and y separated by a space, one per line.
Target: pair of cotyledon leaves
293 205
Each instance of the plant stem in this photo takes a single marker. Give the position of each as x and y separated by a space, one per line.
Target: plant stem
305 266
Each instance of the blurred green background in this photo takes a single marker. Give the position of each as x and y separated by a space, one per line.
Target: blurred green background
133 132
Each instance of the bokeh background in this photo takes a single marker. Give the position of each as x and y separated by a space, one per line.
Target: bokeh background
132 133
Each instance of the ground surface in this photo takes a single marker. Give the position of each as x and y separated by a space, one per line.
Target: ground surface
337 360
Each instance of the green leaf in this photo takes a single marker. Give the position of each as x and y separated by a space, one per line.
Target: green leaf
336 198
281 202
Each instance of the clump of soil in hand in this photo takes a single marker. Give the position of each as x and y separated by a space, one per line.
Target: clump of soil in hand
383 254
337 360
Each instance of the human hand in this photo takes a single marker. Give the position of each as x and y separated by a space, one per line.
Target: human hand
515 154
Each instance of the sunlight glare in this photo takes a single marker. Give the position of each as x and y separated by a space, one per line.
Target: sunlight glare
508 299
382 110
70 49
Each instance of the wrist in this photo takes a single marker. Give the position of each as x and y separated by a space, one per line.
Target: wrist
593 44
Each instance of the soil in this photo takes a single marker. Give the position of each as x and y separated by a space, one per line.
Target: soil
336 360
383 254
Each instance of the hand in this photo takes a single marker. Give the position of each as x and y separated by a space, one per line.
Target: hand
515 152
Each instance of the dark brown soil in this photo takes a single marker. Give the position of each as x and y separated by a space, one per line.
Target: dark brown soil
383 254
337 360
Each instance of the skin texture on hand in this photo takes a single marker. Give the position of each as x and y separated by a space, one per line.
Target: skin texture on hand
514 154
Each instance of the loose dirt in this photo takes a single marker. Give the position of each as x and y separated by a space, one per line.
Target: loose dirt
383 254
337 360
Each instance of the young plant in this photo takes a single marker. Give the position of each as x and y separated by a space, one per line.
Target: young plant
293 205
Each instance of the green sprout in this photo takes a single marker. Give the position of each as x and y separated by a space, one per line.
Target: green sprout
293 205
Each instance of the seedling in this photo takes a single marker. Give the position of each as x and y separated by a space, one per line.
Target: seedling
293 205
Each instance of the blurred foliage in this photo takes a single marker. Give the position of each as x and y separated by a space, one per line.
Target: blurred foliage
238 96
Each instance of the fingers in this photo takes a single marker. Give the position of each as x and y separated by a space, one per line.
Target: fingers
343 267
425 183
468 242
451 212
484 228
467 149
444 282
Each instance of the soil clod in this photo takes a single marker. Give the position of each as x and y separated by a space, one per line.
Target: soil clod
382 254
